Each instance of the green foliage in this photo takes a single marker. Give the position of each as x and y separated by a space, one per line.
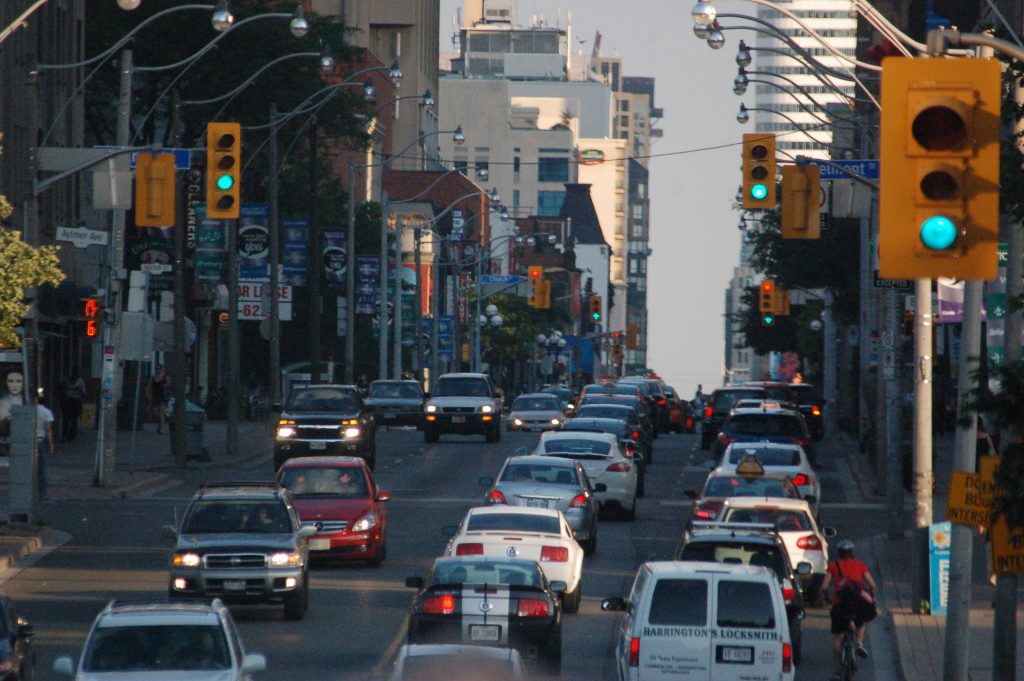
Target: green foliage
514 339
24 266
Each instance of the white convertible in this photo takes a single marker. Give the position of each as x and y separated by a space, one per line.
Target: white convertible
539 534
603 461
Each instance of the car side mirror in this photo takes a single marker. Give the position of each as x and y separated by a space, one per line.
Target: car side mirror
307 531
169 531
690 494
558 586
449 531
414 582
600 487
829 531
613 604
383 495
803 568
486 481
254 662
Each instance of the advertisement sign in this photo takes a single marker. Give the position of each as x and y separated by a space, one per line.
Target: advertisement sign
294 251
939 538
590 157
335 258
367 284
151 249
211 247
253 243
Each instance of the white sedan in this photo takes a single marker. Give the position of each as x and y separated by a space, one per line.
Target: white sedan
539 534
795 524
778 458
604 462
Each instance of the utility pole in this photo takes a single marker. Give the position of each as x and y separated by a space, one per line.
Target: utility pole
830 387
179 437
233 342
382 297
314 262
923 474
417 234
890 377
397 331
350 278
435 361
275 259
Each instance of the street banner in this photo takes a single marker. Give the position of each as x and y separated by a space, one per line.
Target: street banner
367 284
254 243
334 256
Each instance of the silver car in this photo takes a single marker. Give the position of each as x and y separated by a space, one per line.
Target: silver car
535 411
546 482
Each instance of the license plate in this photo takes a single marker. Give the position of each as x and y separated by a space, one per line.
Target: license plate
537 503
484 632
234 585
458 419
390 416
319 544
736 654
318 445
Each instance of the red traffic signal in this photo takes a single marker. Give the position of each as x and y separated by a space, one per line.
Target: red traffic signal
535 271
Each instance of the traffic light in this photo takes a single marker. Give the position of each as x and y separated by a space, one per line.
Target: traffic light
535 272
939 190
90 315
780 306
541 297
766 297
801 188
155 193
595 309
223 169
758 170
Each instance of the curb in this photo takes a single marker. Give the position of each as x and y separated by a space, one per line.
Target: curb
22 542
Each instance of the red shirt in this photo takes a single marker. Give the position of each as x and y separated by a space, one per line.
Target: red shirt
852 569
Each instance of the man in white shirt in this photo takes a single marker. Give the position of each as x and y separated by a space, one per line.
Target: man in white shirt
44 437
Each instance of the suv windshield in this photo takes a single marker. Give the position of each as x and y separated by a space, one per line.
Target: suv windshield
449 386
146 648
724 399
241 515
322 399
394 390
764 424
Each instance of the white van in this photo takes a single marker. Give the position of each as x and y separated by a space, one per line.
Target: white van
703 621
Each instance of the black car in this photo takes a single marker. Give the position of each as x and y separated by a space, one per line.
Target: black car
626 434
638 404
717 409
786 426
628 413
486 600
812 406
396 403
657 398
741 543
325 420
16 655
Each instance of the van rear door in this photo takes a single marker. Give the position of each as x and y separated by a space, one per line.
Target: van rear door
675 635
750 629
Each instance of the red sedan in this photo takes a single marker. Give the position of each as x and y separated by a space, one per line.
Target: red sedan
340 497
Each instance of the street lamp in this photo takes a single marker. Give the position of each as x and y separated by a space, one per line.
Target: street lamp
554 344
222 16
490 319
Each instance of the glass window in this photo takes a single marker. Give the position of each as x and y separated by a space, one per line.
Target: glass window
515 198
461 387
515 164
549 203
461 165
624 104
768 456
764 424
513 522
574 446
679 602
321 399
151 648
745 604
541 473
551 169
783 520
536 404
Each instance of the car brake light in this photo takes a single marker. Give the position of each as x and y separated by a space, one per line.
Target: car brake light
496 497
726 440
554 554
703 515
809 543
708 411
787 590
662 402
578 501
801 480
636 434
469 550
532 607
787 658
618 467
816 410
439 605
634 652
689 421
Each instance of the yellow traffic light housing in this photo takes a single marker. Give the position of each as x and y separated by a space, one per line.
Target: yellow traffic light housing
595 309
155 193
758 171
939 195
535 272
223 170
766 296
780 304
800 202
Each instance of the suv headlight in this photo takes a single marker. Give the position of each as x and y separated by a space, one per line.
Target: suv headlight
431 408
285 431
186 560
367 522
487 409
282 559
351 432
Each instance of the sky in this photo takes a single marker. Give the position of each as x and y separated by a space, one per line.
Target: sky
693 228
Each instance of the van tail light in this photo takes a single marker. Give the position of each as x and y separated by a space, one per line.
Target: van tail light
725 440
634 651
578 501
496 497
787 658
801 480
439 605
815 410
708 411
469 550
554 554
788 591
809 543
532 607
618 467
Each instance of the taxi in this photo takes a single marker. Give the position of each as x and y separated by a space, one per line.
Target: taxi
777 457
749 479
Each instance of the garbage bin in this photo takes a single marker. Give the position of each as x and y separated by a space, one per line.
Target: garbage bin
195 421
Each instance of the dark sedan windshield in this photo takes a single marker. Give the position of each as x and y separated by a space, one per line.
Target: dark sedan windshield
513 522
764 424
392 390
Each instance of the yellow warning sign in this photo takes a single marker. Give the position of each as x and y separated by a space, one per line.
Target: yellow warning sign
987 471
1007 549
967 504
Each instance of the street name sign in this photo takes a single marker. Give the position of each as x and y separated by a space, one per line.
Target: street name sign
500 279
81 237
866 168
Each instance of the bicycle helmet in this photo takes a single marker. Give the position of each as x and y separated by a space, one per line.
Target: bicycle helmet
845 547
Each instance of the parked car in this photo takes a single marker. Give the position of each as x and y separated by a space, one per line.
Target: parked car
604 462
339 497
716 410
812 406
535 411
485 600
328 420
156 640
538 482
396 403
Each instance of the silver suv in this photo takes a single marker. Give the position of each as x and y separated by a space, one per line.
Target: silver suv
158 639
463 404
242 542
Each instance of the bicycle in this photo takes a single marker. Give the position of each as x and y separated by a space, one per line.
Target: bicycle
848 654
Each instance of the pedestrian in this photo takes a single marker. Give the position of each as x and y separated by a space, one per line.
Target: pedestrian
158 392
71 406
44 438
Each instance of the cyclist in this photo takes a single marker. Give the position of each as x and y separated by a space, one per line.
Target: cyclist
848 576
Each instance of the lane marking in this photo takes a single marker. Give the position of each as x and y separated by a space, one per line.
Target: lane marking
392 649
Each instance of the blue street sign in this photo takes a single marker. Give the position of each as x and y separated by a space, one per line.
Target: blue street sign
939 536
182 157
865 167
500 279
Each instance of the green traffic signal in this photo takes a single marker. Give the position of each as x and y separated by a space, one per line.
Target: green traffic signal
759 192
225 182
938 233
596 316
767 320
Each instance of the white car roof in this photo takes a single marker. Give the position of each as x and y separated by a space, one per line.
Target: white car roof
578 435
761 445
676 567
516 510
541 459
779 502
136 617
446 649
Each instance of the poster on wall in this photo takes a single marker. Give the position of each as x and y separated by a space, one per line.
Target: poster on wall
12 392
151 249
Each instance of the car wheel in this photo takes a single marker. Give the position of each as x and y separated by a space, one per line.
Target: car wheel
430 435
296 603
796 638
571 601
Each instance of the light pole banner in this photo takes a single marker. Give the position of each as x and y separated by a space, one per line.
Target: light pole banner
335 258
367 284
253 243
294 251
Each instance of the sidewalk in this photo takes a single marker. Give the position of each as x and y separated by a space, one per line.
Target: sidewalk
920 639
